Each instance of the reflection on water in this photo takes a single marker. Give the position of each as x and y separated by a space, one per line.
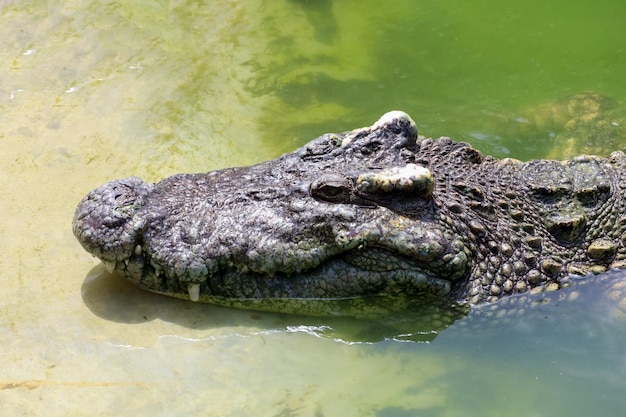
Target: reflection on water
92 91
351 321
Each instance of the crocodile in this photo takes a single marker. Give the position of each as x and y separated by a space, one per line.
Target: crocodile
375 211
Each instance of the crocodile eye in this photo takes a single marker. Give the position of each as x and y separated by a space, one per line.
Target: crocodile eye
332 188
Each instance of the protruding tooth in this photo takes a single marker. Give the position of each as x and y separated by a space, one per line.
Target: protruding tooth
194 292
138 250
109 265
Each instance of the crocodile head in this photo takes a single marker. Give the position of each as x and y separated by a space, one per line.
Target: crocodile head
347 215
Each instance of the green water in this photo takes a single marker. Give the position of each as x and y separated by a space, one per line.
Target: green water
459 68
96 90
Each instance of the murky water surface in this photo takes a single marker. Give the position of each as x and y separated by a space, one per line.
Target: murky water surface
96 90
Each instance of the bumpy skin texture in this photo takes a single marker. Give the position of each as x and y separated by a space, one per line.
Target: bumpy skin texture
376 210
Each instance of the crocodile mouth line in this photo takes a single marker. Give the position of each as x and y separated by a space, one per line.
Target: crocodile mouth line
333 278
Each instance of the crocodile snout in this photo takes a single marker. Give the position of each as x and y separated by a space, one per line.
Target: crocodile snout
105 223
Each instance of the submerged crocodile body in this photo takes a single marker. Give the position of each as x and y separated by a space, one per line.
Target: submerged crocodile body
372 211
584 123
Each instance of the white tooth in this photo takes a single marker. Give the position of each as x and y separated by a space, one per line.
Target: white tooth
109 265
194 292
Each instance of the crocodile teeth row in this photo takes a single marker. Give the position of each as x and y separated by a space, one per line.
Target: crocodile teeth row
194 292
192 289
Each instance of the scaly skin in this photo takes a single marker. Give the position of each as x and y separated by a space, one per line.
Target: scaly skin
373 211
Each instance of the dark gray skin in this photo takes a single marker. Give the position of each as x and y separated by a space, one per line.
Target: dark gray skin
373 211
